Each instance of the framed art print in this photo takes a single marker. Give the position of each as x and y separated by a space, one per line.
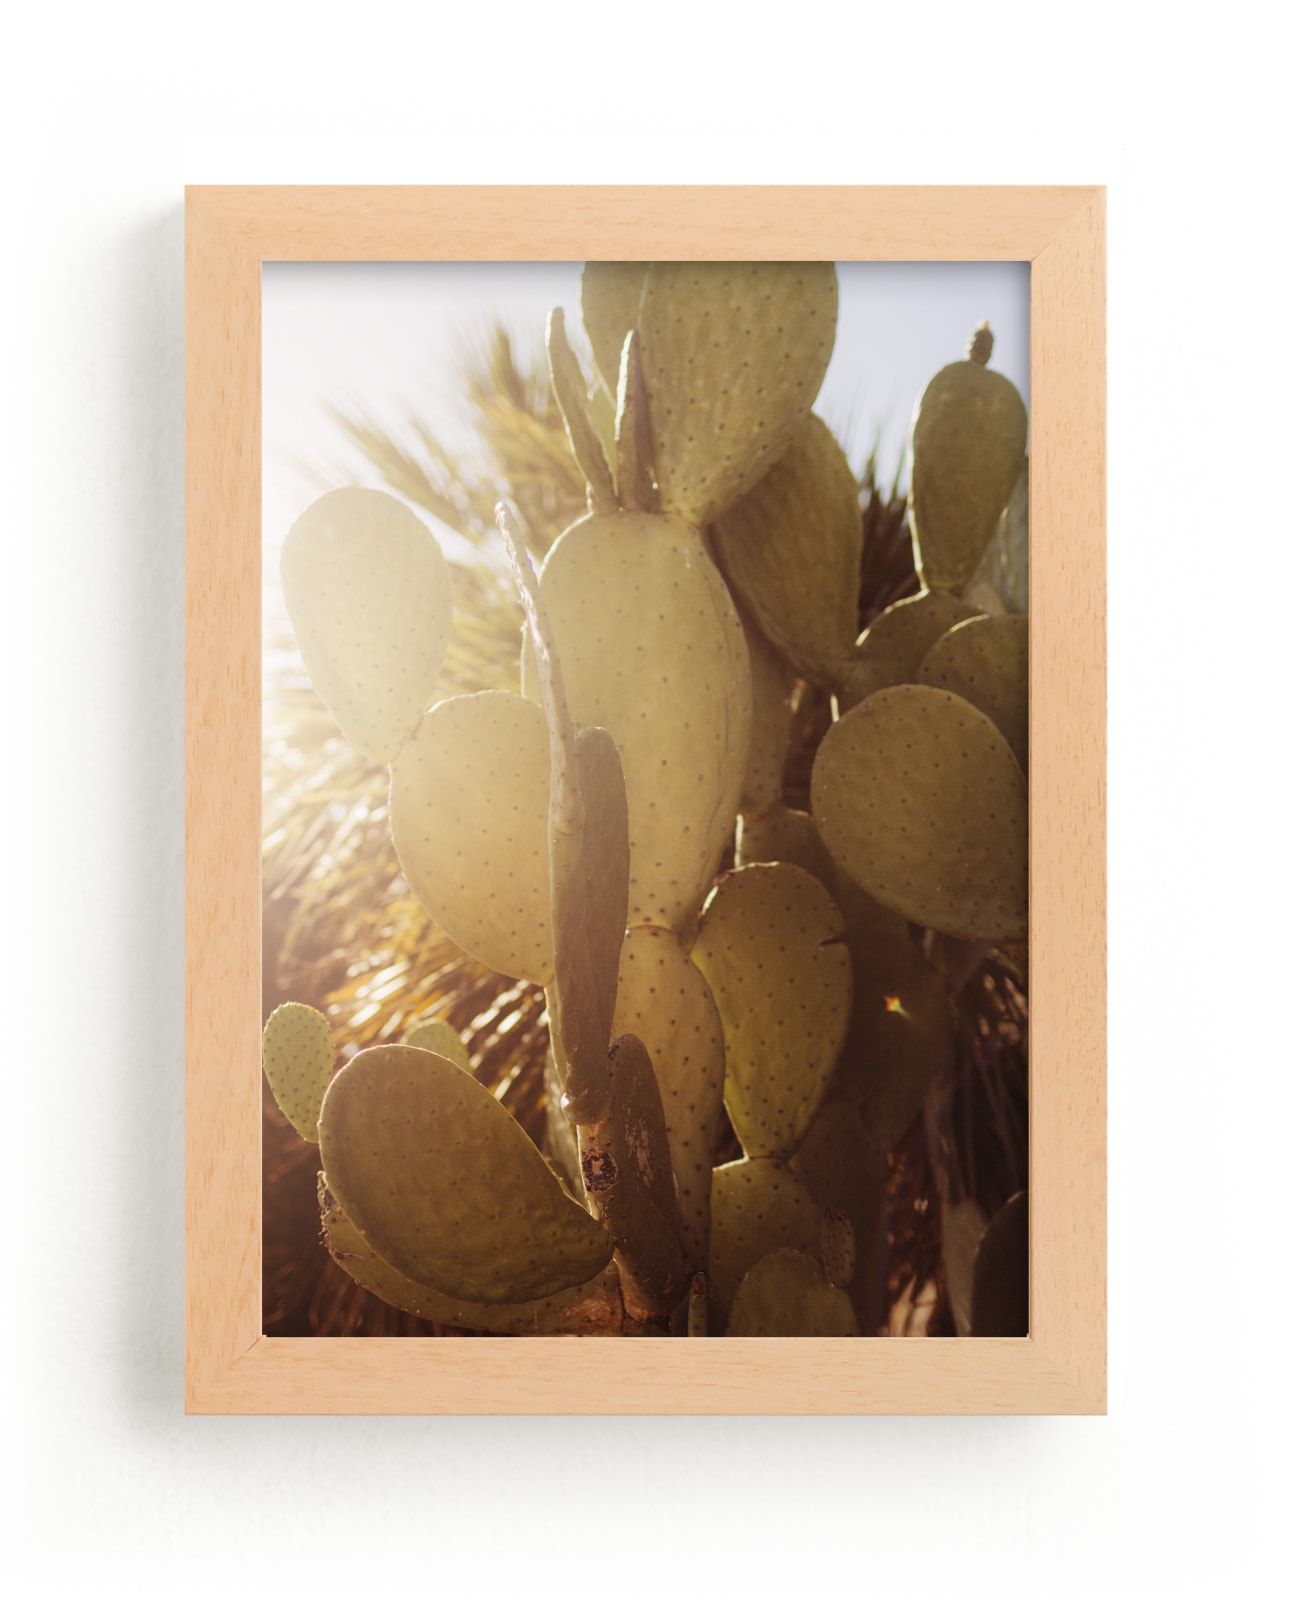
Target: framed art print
645 800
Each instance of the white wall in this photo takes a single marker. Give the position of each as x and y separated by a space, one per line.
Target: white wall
108 111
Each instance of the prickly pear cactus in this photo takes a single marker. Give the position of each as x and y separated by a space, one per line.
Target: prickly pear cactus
921 801
298 1060
770 945
984 661
438 1036
496 1228
748 856
791 549
652 650
469 817
367 589
733 354
969 444
895 645
787 1295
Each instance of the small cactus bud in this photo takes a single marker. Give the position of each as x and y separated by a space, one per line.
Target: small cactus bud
981 344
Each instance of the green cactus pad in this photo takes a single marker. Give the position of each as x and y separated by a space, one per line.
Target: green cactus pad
758 1206
562 1136
664 1000
610 292
601 406
902 1039
902 1036
779 834
446 1187
999 1308
770 946
1004 564
298 1055
641 1124
652 650
369 596
839 1166
592 1308
838 1246
589 914
968 446
468 808
733 354
984 661
628 1178
440 1037
844 1172
772 681
580 429
895 644
791 549
785 1296
919 799
634 452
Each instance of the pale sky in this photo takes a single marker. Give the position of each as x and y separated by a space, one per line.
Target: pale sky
383 337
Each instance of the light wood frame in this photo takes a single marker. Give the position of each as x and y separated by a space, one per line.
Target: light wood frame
231 1366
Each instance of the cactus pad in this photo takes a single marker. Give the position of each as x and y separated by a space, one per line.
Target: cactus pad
468 804
440 1037
984 661
652 650
1004 565
901 1041
770 946
845 1173
446 1187
895 644
779 834
628 1178
589 914
786 1295
298 1056
902 1037
772 681
634 477
920 800
758 1206
733 354
562 1136
368 593
968 446
594 1307
664 1000
999 1309
572 397
791 549
610 292
838 1246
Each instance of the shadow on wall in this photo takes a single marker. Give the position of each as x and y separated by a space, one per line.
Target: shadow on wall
143 383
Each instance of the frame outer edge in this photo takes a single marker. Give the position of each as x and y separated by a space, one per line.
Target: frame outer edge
1069 935
222 797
